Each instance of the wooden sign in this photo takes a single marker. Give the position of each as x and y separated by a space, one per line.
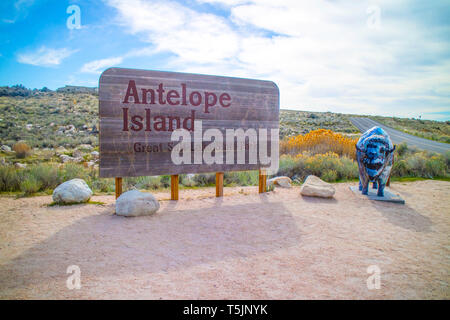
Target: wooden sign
154 123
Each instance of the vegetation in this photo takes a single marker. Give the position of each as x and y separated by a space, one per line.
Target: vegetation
318 142
21 149
293 123
42 126
427 129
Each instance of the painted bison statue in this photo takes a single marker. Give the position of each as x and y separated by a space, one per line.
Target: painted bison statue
375 156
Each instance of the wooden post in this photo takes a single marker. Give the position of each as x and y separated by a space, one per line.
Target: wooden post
174 187
262 180
118 187
219 184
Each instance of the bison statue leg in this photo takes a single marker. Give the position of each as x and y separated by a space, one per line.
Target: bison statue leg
380 192
365 184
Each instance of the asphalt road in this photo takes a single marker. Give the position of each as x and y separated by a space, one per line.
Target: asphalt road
363 124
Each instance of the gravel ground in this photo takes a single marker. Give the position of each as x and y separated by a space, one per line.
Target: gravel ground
279 245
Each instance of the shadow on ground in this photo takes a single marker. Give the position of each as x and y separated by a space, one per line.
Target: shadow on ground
110 245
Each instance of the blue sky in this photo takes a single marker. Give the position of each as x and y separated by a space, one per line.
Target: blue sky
366 57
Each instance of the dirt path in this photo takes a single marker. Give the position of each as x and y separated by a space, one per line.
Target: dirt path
243 246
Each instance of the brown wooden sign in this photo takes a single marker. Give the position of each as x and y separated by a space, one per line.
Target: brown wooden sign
154 123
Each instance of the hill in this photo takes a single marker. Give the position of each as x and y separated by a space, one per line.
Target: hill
49 119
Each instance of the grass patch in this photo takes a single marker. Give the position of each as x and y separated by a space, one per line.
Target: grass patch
53 204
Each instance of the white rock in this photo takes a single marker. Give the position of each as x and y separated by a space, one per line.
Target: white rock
69 129
315 187
5 148
284 182
72 191
77 154
136 203
60 150
29 126
90 164
95 154
20 165
85 147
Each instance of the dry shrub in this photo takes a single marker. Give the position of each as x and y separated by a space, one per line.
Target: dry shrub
21 149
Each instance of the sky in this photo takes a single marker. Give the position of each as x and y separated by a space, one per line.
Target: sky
377 57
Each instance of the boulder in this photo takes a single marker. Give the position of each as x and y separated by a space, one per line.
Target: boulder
5 148
72 191
284 182
136 203
20 165
315 187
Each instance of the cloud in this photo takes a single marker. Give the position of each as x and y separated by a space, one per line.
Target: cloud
98 66
45 56
324 55
172 27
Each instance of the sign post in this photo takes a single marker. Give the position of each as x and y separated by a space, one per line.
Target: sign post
174 187
262 181
118 187
168 123
219 184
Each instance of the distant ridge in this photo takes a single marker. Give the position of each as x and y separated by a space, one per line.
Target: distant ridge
77 89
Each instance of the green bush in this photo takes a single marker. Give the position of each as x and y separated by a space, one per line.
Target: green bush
400 168
30 185
241 178
104 185
402 149
205 179
9 179
435 167
329 175
47 175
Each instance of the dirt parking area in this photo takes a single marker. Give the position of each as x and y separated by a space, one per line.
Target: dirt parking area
278 245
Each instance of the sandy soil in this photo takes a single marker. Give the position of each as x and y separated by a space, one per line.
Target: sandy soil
243 246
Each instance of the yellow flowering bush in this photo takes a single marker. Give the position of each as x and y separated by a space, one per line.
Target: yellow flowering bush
319 141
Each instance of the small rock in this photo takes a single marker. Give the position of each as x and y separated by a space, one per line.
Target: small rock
65 158
77 154
20 165
90 164
5 148
85 147
284 182
72 191
136 203
95 154
60 150
29 126
315 187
